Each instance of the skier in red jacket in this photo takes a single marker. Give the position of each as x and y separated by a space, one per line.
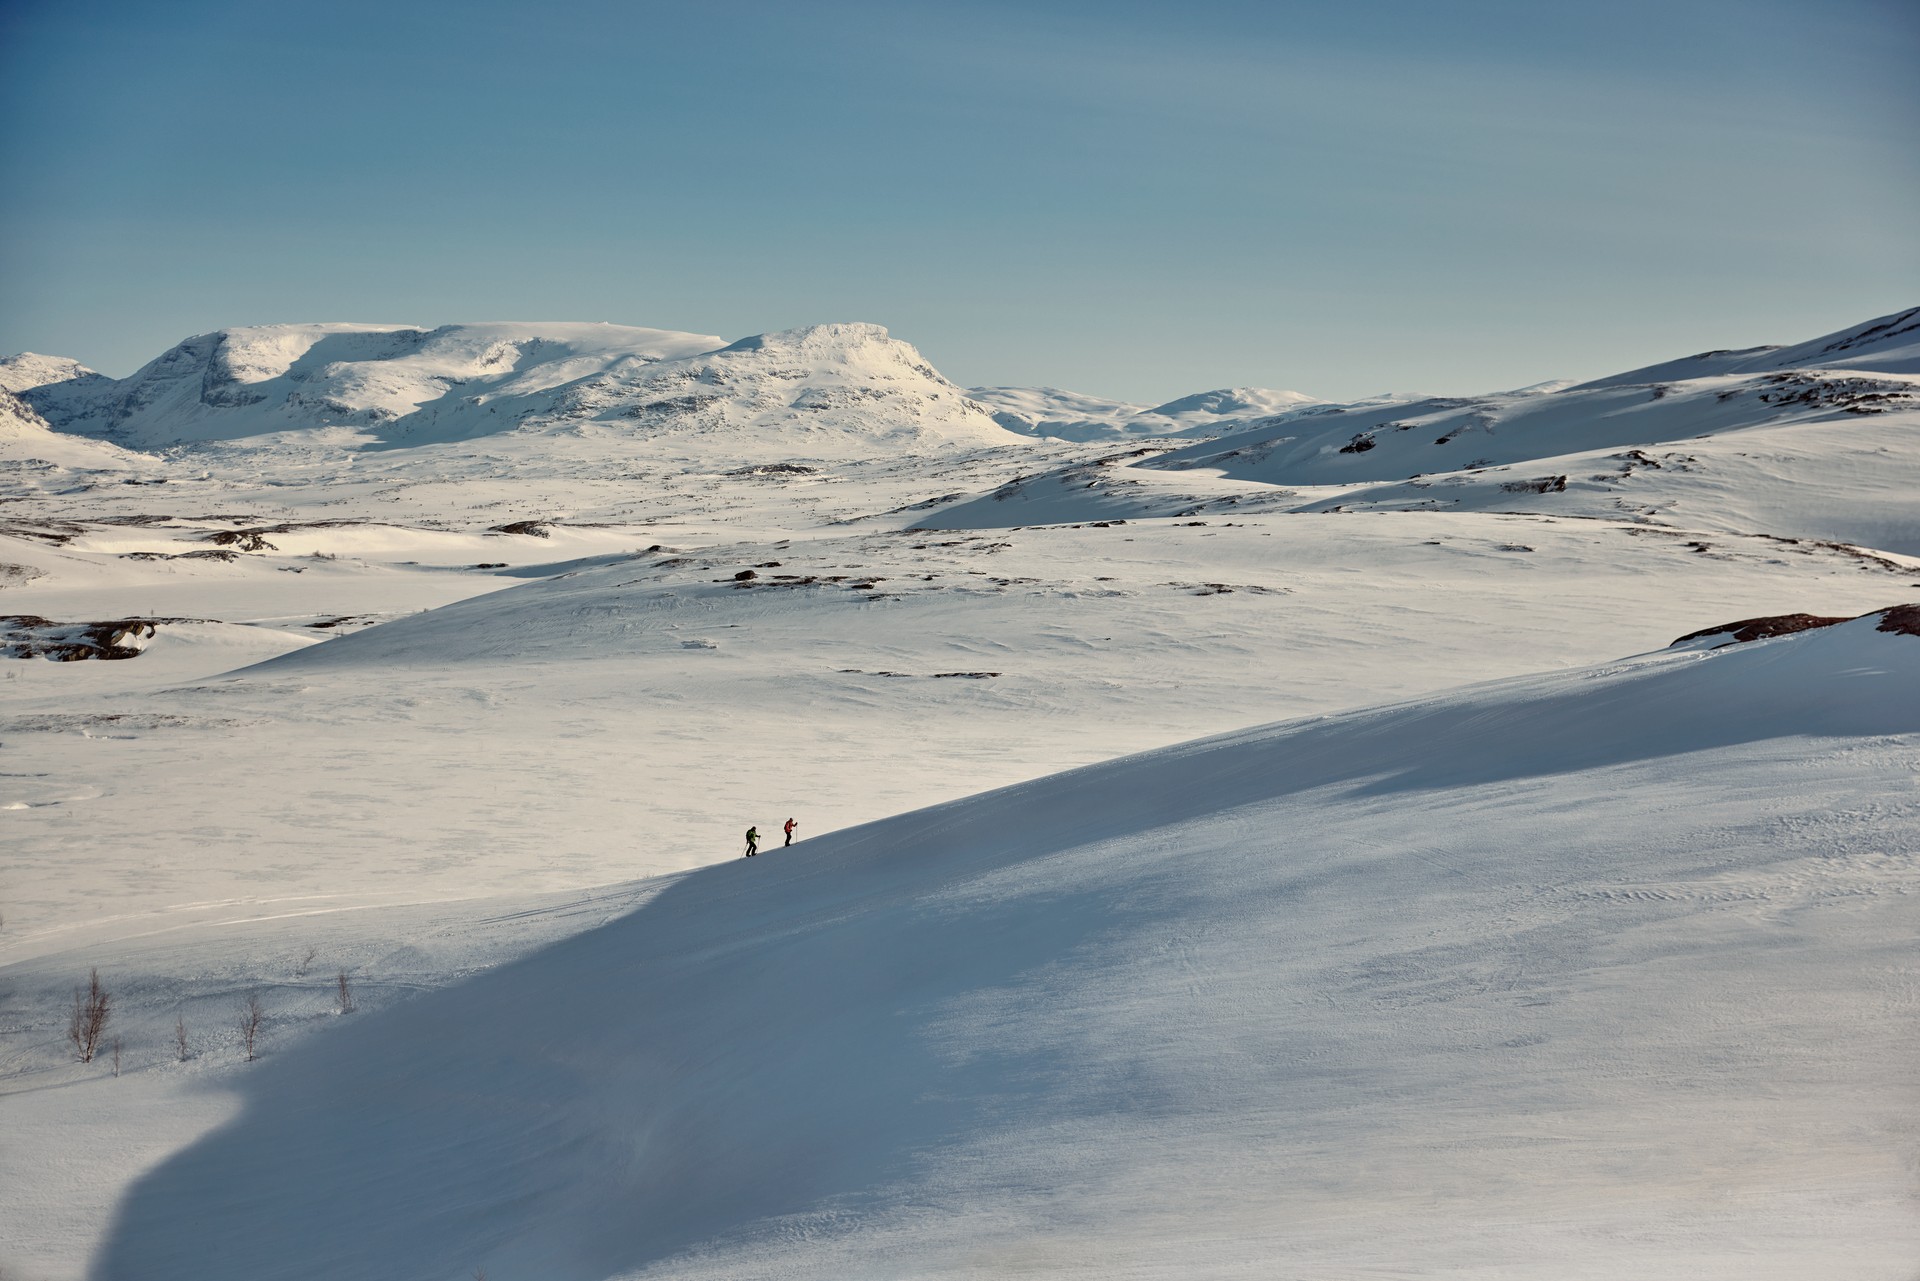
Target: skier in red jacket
789 829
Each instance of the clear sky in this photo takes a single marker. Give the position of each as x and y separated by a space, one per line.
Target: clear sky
1131 199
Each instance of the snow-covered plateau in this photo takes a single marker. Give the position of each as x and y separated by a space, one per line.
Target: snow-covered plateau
1246 836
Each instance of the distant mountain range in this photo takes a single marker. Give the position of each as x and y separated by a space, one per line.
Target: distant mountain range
834 389
825 387
1070 415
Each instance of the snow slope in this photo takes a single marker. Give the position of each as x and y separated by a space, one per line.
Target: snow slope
657 697
1810 441
29 370
1703 396
1886 344
1599 974
828 387
1445 435
1851 481
28 445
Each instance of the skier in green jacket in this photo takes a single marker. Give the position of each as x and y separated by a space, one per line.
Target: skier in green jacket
753 841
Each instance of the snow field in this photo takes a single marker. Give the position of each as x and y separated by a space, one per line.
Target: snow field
648 709
1581 975
1597 972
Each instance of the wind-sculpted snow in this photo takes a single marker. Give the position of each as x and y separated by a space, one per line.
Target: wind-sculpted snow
1597 974
826 388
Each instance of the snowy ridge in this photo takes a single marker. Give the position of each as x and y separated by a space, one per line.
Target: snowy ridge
1707 395
30 370
1886 344
1768 440
1451 434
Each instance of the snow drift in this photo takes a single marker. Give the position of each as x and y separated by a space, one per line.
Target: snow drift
1586 975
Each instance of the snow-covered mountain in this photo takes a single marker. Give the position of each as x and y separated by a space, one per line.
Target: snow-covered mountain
1869 369
30 370
1807 441
825 388
27 441
1070 415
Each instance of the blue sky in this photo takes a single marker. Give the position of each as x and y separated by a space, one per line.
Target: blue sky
1138 200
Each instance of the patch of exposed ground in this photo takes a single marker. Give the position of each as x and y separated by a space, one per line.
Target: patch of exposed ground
1753 629
1902 620
56 723
30 636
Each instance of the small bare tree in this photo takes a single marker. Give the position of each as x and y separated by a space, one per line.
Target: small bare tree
346 994
92 1007
116 1056
252 1015
306 962
180 1036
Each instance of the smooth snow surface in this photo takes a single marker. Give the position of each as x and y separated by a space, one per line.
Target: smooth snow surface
456 660
1596 975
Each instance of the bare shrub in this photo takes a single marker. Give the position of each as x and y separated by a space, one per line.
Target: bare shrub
346 994
116 1056
252 1015
92 1007
180 1037
306 962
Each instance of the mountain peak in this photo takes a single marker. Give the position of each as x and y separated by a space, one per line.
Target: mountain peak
844 334
28 370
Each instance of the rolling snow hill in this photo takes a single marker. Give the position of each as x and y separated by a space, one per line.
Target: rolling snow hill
1600 974
1867 370
1770 440
1887 344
